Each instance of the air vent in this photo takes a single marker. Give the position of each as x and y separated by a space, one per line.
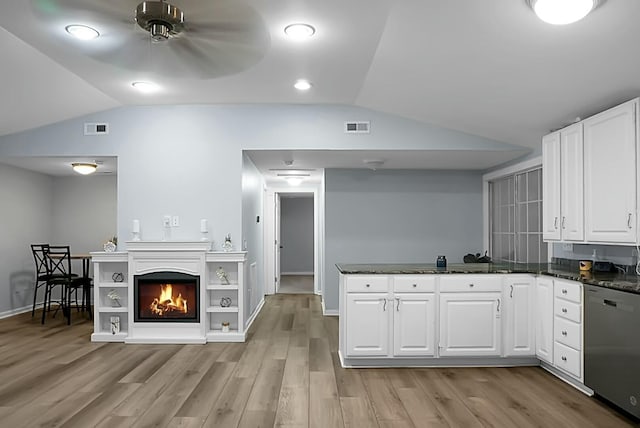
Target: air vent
357 127
96 128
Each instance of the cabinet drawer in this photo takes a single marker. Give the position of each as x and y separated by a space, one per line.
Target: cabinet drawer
567 359
466 283
414 283
568 290
568 333
366 284
568 310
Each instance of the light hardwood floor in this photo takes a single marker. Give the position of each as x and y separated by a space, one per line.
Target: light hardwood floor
287 374
296 284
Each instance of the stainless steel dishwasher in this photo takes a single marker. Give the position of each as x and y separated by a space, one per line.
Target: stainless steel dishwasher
612 346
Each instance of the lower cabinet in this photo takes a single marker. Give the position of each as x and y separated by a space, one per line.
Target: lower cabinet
519 335
544 319
414 325
367 325
470 324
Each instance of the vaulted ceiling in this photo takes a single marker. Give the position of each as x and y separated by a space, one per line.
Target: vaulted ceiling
489 68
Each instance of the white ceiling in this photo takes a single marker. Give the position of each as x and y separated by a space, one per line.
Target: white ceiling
488 68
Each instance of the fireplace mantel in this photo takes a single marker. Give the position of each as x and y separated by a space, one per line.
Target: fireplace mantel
190 257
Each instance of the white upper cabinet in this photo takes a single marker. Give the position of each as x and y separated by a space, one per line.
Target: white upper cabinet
562 185
610 175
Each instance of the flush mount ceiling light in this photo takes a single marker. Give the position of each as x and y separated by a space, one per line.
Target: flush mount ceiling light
145 87
84 168
302 85
299 31
82 32
373 164
561 12
294 181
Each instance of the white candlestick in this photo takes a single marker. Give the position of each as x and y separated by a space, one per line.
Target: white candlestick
203 226
136 226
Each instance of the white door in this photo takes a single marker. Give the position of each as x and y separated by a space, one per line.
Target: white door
571 189
610 175
277 246
544 319
551 187
519 308
367 324
414 324
470 324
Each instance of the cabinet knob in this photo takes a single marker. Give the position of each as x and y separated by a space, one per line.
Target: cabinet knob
470 285
415 285
564 333
564 310
368 285
563 358
564 291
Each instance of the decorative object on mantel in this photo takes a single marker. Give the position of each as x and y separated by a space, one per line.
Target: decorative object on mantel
117 277
227 246
115 324
225 302
225 326
204 229
115 298
135 230
111 244
222 275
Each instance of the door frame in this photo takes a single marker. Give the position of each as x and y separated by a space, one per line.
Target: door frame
270 226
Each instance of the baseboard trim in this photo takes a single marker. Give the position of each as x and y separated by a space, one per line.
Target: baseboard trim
17 311
253 316
296 273
329 312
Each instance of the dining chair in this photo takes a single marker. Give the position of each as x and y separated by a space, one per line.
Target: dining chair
58 260
41 272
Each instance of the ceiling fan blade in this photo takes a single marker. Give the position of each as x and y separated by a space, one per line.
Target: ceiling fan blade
90 10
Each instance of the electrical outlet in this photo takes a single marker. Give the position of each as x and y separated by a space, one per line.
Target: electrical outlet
166 221
175 221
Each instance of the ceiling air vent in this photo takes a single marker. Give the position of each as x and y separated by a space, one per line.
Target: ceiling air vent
96 128
357 127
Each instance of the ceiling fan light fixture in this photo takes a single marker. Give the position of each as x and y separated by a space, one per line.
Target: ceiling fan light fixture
145 87
162 20
299 31
84 168
562 12
82 32
302 85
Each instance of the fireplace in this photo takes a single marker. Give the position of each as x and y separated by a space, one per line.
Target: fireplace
166 297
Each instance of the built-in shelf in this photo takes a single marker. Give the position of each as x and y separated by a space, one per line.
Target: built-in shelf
113 309
222 287
113 285
221 309
108 337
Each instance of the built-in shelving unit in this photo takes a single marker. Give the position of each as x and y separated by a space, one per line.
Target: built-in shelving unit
110 277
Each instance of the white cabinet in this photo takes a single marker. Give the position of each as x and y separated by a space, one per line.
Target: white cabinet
610 175
562 185
567 328
519 334
110 297
414 324
367 324
224 296
544 318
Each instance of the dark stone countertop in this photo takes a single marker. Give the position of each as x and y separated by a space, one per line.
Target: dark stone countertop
614 280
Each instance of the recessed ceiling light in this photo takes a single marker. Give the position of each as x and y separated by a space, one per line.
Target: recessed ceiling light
82 32
145 87
561 12
299 31
302 85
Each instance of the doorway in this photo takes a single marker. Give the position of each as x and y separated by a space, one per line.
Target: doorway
296 244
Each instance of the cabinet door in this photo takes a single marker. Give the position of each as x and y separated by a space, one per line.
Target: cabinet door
414 324
551 187
519 331
610 175
544 319
367 324
470 324
571 188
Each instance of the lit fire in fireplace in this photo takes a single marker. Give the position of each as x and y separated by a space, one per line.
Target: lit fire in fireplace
166 303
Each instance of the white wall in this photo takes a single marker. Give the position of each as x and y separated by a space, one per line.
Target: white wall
26 218
296 235
398 217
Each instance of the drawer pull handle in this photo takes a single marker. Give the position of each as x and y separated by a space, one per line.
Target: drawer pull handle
564 333
564 358
564 310
564 291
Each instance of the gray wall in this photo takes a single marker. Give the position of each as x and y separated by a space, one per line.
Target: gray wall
26 218
296 235
252 232
398 217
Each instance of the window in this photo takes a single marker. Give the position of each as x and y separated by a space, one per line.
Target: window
515 218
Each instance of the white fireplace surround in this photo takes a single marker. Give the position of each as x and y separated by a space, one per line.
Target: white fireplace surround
167 256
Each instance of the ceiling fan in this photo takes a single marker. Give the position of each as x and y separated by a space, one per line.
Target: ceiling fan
192 38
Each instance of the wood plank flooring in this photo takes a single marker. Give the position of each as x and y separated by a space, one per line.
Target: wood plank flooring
287 374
